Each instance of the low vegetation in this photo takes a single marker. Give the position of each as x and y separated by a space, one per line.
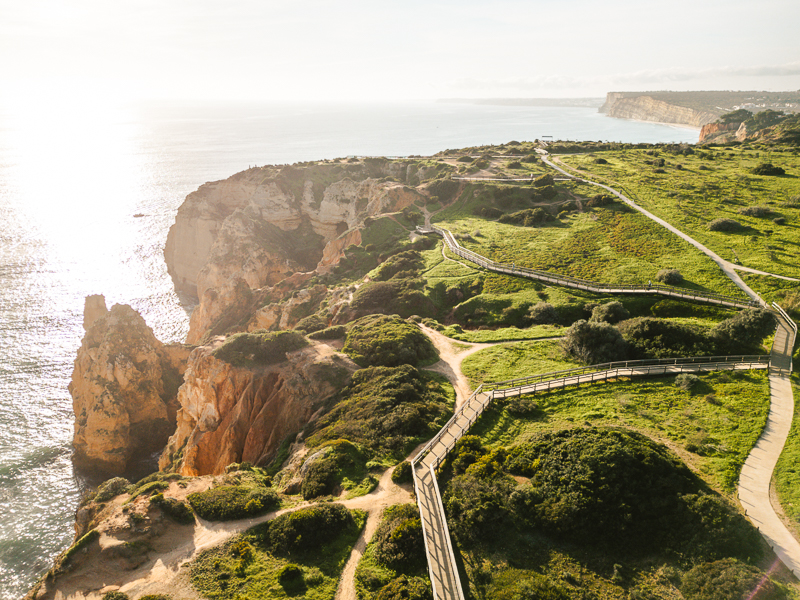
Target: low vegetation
242 494
260 348
300 553
388 341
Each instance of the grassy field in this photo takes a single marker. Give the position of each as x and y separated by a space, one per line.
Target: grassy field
719 425
508 361
712 183
608 245
503 334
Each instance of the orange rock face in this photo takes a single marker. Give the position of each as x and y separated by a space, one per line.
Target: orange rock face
236 414
123 389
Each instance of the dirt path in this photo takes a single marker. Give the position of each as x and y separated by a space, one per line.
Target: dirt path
450 359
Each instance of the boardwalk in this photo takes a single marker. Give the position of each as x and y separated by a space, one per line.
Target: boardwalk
754 480
441 559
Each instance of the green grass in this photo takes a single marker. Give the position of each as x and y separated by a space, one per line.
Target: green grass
509 361
607 245
723 428
244 568
503 334
691 197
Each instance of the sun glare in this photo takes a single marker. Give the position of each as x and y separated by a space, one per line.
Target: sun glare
74 170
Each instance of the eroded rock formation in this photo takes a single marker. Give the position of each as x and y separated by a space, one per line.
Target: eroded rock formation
237 414
123 388
646 108
263 225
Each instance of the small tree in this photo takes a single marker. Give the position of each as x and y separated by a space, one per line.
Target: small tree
612 312
593 343
543 313
669 276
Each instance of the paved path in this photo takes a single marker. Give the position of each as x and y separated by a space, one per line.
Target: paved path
754 480
723 264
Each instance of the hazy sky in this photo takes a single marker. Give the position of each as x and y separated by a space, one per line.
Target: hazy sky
373 50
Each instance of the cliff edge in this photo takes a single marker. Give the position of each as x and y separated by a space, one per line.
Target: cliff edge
644 107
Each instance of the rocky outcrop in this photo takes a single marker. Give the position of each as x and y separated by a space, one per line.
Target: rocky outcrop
718 132
123 388
236 414
642 107
263 225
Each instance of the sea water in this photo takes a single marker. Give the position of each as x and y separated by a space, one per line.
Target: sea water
87 195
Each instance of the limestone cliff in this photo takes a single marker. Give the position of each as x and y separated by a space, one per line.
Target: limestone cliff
718 132
123 388
643 107
237 414
263 225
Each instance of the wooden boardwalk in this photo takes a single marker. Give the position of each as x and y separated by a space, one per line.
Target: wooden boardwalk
442 565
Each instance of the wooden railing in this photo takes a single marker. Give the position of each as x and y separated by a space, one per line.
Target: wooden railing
585 284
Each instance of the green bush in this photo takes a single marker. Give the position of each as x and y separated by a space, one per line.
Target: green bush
380 340
623 491
259 348
594 343
330 333
291 579
403 472
155 597
112 488
649 337
755 211
544 180
405 588
767 169
338 459
687 382
404 297
729 579
743 332
311 323
173 508
398 540
229 502
386 410
304 530
723 224
611 312
669 276
115 596
404 265
530 217
543 313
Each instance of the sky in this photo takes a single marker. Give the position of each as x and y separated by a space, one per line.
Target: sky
352 50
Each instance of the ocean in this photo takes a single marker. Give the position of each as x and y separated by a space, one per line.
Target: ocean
87 195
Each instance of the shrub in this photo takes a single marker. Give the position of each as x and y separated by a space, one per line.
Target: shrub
402 472
600 161
398 296
624 491
599 200
311 324
669 276
594 343
611 312
755 211
259 348
115 596
514 165
530 217
228 502
324 470
530 158
767 169
304 530
405 588
744 331
330 333
487 212
404 265
398 539
174 509
728 579
291 579
544 180
723 224
380 340
155 597
779 220
112 488
687 382
543 313
649 337
384 409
